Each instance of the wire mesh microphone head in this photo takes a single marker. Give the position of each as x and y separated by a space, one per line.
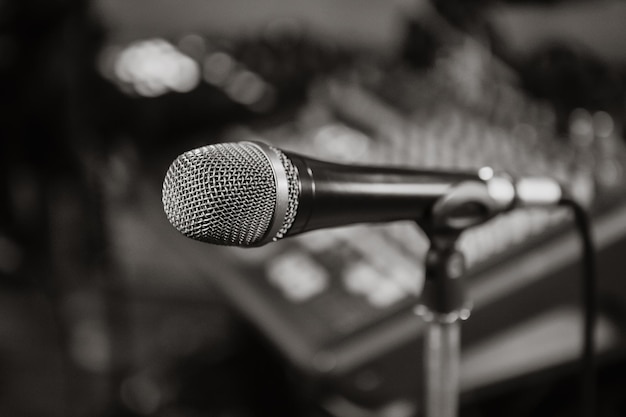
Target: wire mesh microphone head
235 194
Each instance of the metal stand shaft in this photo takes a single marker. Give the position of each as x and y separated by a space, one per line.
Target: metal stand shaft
442 363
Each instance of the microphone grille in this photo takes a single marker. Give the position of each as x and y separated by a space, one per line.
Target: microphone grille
226 194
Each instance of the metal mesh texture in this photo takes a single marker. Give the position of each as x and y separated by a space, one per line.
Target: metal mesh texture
225 194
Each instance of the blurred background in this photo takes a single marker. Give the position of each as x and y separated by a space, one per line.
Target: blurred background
106 310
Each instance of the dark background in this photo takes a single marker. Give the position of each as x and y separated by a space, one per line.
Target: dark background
106 310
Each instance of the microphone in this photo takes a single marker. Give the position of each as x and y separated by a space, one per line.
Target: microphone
249 194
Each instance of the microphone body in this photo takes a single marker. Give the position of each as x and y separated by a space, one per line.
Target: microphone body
250 194
334 195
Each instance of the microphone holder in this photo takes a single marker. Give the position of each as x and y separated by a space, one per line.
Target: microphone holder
443 308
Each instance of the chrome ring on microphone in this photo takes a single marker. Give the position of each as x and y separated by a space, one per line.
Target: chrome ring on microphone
282 191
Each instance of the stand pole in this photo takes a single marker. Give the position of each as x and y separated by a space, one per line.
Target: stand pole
441 355
465 205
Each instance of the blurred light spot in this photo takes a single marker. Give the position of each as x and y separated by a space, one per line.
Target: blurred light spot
189 76
610 172
501 190
538 191
193 45
399 408
386 294
367 380
320 241
485 173
218 67
149 88
298 276
155 67
361 278
246 88
90 345
603 124
581 127
141 394
466 68
339 142
107 61
266 102
364 279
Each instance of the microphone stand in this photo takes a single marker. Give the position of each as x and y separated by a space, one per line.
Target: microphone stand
443 304
443 308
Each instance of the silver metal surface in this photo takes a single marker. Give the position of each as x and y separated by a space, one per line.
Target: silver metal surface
236 194
293 194
442 368
281 202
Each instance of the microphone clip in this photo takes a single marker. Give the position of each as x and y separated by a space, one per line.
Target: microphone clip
465 205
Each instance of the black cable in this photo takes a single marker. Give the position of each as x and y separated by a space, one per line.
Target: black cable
589 303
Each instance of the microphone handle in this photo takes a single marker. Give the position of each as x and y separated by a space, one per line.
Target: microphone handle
336 195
